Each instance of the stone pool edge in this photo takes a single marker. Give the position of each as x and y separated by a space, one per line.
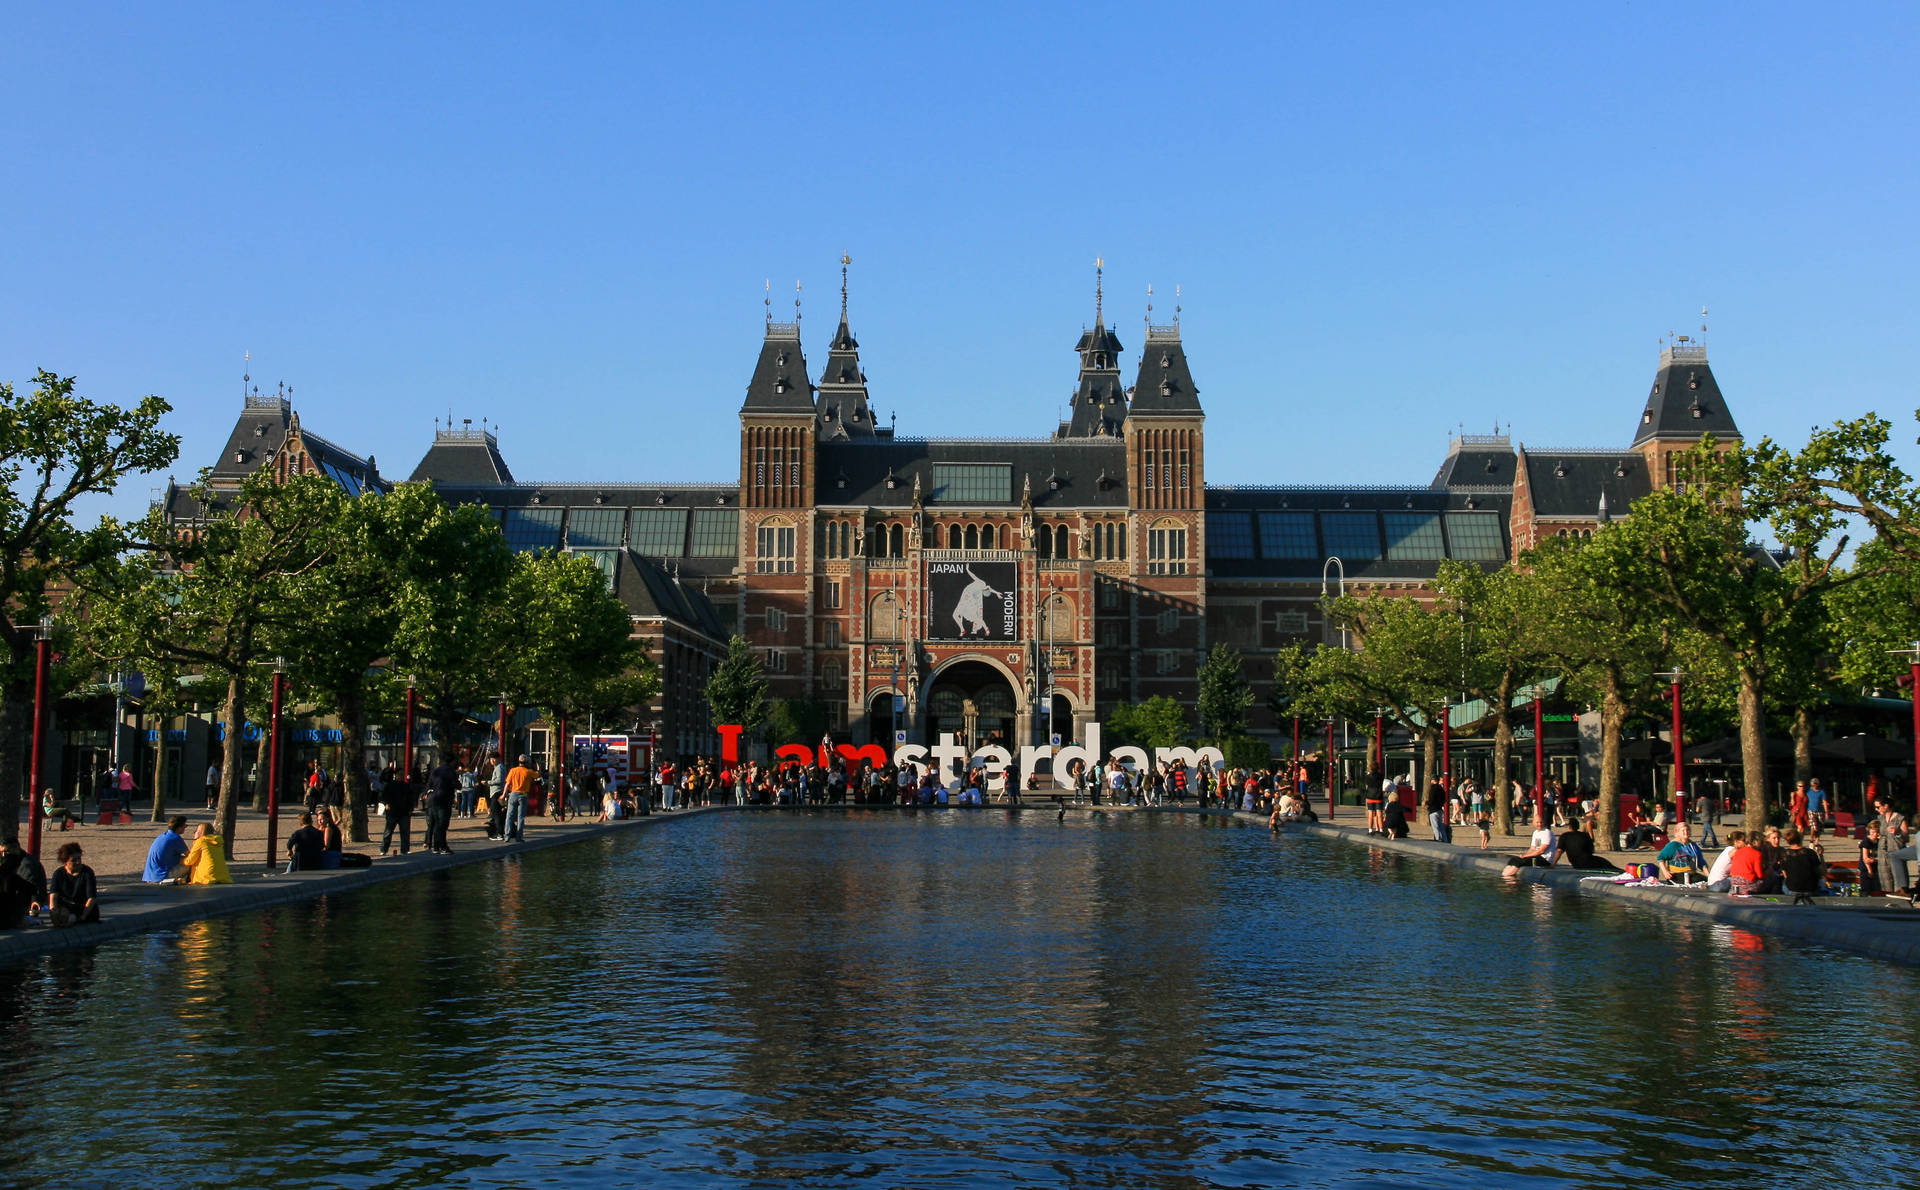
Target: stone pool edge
1892 934
128 919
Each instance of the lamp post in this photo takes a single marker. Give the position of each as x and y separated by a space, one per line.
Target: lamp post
273 759
1340 590
1539 753
1446 747
41 643
1679 747
406 738
1299 771
503 727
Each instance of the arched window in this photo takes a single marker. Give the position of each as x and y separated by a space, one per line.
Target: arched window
953 537
987 537
1043 542
774 547
1062 543
1167 548
973 537
896 542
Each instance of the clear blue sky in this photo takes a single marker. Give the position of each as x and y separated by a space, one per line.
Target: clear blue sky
1387 220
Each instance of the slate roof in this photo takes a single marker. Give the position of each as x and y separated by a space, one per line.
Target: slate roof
844 412
463 457
257 436
780 383
1685 402
1478 461
646 590
1065 473
1099 397
1164 385
1567 484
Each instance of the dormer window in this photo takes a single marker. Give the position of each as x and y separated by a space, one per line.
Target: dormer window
780 385
239 456
1620 469
1166 360
1693 381
781 359
1646 418
1697 409
1560 470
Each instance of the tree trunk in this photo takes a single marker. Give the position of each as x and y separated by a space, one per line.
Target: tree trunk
1803 745
1613 719
159 768
1502 769
353 761
1753 747
231 779
16 727
1429 762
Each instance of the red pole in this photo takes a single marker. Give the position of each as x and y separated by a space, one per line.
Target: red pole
1380 742
1916 730
1539 756
503 731
406 746
1329 770
1446 748
560 772
1679 761
273 768
39 733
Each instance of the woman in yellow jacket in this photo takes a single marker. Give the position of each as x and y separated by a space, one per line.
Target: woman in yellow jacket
206 862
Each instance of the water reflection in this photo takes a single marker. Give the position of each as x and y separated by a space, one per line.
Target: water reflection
946 998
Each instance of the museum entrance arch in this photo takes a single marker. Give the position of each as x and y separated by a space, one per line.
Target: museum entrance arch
974 701
880 719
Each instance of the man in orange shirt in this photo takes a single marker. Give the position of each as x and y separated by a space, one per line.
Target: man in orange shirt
520 781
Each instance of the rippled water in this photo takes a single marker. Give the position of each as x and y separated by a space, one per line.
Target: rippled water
956 999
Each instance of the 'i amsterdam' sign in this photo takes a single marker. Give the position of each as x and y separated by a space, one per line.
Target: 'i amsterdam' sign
952 759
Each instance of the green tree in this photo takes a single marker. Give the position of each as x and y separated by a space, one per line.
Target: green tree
455 624
737 688
1876 617
1159 722
1687 549
1502 648
1405 667
215 599
56 449
797 720
1224 694
1609 642
574 651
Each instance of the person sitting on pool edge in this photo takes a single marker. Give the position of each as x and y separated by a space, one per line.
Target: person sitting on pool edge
206 862
1681 861
1543 848
1577 845
1393 820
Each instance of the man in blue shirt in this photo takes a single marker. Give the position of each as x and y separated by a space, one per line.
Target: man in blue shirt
167 852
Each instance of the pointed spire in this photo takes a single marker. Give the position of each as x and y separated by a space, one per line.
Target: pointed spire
246 373
846 260
1604 516
768 301
1149 307
1099 266
1176 305
796 303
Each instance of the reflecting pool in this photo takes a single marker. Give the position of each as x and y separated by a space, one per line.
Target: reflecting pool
956 998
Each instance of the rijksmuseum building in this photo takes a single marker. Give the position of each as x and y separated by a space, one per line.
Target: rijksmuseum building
1007 590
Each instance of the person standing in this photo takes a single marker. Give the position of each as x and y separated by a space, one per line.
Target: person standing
1437 813
1797 806
213 785
399 812
169 848
442 784
123 784
520 782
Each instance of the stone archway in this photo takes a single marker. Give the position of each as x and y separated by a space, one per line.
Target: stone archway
975 699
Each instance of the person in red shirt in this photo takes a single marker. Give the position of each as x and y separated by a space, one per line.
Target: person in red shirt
1745 870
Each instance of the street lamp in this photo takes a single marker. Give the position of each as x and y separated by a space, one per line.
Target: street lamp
42 639
1679 752
503 727
273 759
1340 590
1539 752
406 739
1329 768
